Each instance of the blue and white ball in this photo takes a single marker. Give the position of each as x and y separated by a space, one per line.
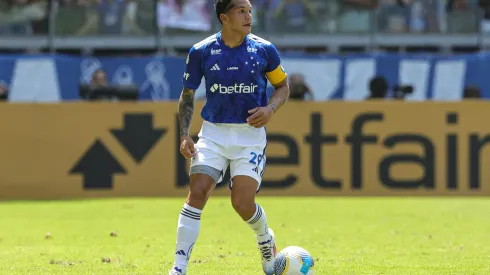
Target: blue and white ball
294 260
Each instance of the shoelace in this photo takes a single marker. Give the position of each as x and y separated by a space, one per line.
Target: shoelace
266 252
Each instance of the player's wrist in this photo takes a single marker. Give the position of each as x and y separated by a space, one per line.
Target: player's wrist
272 107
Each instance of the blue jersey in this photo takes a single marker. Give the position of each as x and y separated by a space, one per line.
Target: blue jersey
236 78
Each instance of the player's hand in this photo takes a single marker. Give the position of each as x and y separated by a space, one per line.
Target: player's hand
187 147
260 116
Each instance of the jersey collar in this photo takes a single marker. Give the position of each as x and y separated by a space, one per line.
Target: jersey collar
244 43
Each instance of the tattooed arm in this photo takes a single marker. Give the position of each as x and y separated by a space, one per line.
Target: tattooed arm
186 110
191 81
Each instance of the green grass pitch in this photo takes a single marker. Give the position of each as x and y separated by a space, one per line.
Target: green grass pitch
345 236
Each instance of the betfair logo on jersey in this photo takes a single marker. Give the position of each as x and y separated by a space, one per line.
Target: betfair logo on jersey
237 88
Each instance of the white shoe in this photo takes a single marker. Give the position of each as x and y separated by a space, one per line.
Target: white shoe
268 251
176 271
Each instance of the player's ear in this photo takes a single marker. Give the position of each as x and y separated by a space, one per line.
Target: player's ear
223 17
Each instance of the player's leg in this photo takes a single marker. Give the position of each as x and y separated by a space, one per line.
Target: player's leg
189 221
246 179
206 170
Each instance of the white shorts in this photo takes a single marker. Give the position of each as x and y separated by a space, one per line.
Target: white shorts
239 146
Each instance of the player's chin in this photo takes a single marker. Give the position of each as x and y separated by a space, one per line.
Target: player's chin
247 29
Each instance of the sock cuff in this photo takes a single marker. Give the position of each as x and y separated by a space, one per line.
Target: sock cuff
257 215
191 212
193 209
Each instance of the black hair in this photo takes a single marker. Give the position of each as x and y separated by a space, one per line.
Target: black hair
223 6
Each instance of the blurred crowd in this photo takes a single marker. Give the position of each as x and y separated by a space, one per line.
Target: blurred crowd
23 17
141 17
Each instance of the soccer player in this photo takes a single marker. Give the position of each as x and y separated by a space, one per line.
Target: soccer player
236 66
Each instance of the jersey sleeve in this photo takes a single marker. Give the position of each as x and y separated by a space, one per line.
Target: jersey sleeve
193 73
274 71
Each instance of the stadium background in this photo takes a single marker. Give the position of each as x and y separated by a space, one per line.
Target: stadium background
426 58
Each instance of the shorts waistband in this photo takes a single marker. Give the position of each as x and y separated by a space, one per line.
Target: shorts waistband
232 125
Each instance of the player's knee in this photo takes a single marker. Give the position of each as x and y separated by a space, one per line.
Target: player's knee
199 191
243 204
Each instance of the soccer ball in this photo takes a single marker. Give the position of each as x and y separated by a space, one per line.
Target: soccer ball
293 260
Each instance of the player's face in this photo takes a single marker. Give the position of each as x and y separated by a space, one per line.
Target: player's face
240 16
